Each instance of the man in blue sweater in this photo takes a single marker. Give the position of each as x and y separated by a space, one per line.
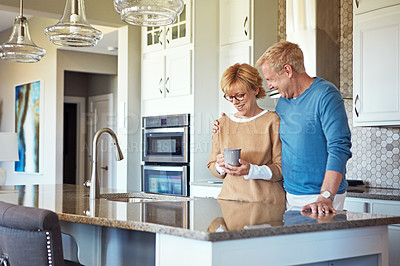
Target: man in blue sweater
314 131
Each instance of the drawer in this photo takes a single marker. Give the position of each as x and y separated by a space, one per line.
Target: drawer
385 208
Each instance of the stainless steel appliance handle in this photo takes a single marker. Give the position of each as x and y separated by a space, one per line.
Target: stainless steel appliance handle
165 130
164 168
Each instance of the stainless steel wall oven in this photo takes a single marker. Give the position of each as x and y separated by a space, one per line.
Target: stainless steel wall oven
166 154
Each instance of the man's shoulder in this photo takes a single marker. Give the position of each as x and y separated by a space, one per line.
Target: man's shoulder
322 86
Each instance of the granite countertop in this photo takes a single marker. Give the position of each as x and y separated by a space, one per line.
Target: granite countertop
373 193
196 218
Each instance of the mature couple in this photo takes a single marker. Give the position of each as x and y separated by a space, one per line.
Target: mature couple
307 140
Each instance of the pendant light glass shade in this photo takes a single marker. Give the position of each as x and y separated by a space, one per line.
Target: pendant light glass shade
20 47
73 28
149 12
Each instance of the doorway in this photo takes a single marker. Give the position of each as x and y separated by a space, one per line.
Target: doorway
69 149
88 106
75 147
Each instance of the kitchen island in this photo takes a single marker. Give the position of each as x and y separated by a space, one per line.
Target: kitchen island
162 230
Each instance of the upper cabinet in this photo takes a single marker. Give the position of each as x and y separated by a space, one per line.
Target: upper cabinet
179 33
180 62
234 21
376 93
166 75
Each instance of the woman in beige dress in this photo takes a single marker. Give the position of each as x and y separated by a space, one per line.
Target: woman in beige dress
256 132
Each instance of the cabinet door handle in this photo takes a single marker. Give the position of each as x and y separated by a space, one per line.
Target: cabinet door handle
166 88
367 207
355 106
245 25
166 34
357 3
159 37
159 85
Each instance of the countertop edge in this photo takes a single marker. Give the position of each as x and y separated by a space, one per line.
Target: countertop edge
373 196
229 235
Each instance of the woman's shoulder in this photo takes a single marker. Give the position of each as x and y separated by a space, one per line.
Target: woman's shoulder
223 119
270 115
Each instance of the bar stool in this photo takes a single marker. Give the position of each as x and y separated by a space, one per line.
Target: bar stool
30 236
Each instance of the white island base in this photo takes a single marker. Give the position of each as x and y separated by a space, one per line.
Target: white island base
98 245
358 246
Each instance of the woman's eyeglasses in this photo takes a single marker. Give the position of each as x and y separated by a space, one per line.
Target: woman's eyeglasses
238 97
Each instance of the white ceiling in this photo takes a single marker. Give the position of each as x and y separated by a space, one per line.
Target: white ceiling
107 45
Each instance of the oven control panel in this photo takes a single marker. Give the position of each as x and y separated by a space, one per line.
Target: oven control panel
166 121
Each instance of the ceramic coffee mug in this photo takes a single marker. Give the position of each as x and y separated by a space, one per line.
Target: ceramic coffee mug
232 156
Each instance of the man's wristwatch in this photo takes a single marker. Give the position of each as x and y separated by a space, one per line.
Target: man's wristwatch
327 195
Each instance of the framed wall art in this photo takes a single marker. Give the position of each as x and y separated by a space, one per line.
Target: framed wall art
27 126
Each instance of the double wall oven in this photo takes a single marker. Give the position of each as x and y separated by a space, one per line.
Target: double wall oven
166 154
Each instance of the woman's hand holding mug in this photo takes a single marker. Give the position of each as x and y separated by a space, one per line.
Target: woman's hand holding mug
220 160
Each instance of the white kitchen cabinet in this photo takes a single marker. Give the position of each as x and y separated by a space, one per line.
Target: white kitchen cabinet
235 21
153 76
386 207
176 34
376 93
166 75
178 73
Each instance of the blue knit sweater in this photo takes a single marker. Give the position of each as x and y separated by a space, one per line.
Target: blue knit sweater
315 137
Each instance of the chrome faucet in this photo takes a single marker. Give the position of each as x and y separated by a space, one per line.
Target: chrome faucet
94 180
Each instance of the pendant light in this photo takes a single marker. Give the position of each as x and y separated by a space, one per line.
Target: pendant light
149 13
73 28
20 47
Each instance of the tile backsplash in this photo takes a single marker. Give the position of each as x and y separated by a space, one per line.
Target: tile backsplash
376 155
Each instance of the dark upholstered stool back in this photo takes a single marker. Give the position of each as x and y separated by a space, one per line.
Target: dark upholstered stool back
29 236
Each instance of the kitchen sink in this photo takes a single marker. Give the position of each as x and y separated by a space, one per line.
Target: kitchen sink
141 197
